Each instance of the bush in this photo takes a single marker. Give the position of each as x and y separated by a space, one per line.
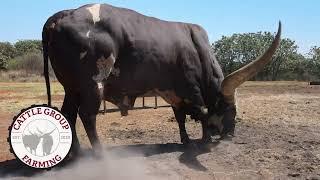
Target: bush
28 46
7 51
30 63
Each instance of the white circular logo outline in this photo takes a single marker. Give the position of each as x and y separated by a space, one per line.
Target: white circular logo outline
29 130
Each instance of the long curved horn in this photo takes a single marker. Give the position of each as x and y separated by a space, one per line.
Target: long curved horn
50 131
235 79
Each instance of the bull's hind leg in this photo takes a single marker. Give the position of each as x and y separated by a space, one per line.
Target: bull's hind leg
181 119
69 110
89 108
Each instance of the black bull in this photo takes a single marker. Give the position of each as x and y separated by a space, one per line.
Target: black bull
103 52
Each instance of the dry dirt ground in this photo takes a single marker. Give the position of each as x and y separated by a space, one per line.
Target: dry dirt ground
277 137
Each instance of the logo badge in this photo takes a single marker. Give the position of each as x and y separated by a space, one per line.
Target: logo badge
40 136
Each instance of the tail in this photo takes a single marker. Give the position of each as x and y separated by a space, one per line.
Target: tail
45 64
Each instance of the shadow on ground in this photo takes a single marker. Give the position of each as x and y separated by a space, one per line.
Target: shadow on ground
14 168
188 156
111 110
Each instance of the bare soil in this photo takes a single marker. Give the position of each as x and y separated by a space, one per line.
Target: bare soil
277 136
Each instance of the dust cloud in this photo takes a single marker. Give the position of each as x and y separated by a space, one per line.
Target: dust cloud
112 165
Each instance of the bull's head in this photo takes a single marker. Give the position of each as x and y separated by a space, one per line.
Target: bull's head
38 134
222 117
42 134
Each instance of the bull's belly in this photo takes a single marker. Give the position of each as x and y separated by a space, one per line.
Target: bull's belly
131 86
118 90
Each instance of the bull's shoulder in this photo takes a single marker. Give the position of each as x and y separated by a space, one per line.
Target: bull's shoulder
195 27
198 30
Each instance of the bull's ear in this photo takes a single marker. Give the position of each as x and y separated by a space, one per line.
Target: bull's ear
235 79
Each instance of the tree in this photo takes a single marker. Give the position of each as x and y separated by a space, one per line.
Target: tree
28 46
226 53
7 51
285 59
315 53
314 65
239 49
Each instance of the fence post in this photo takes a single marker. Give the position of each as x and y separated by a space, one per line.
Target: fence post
314 83
143 101
156 102
104 106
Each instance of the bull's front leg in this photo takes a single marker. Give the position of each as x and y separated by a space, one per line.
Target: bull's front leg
89 108
92 94
205 132
196 108
181 119
89 123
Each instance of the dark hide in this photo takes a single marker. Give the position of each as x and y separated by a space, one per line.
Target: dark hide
172 58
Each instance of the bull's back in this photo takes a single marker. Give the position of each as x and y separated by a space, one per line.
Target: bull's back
124 27
148 50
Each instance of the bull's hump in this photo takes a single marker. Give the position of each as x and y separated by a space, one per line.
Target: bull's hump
94 10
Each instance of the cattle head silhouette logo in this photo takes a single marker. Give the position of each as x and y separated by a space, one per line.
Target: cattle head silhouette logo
31 141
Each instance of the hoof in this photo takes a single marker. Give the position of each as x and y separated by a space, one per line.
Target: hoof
98 155
227 136
124 112
97 152
74 155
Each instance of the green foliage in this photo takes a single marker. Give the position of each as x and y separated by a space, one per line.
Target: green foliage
239 49
7 51
315 53
314 61
28 46
284 61
20 48
30 63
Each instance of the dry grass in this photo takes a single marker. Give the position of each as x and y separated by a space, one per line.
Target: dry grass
22 76
15 96
289 101
19 76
